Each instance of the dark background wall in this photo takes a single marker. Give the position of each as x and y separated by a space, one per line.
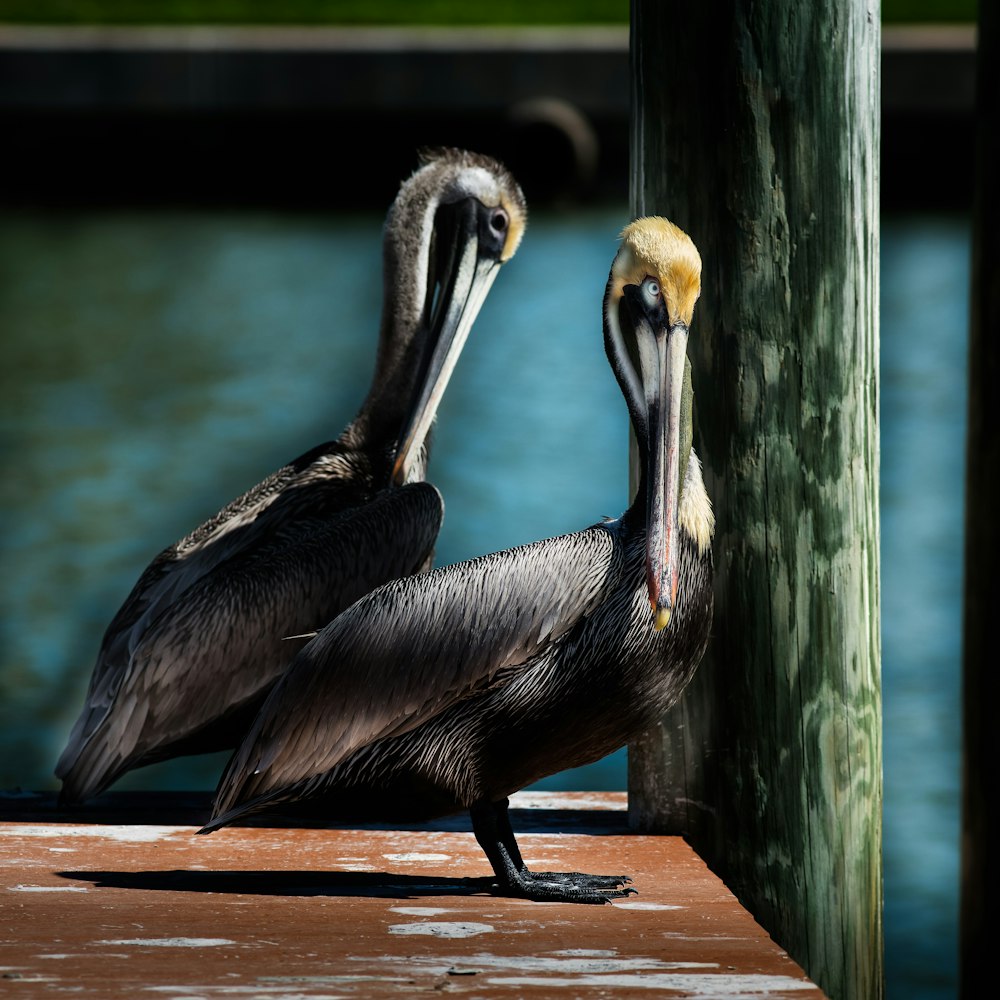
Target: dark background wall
330 117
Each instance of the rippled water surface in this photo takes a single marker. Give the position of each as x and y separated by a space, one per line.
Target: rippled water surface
157 364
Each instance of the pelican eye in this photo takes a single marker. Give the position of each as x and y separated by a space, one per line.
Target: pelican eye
650 290
499 221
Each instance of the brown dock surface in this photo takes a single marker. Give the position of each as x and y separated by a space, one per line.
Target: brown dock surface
121 899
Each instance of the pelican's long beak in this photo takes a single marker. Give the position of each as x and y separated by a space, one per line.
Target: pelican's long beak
649 301
463 270
662 352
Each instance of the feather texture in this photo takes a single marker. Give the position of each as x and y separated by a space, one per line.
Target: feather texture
187 660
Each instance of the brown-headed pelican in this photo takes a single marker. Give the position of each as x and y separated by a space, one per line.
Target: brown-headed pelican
186 661
453 689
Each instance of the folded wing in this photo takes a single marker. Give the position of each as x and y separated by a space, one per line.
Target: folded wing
407 651
200 639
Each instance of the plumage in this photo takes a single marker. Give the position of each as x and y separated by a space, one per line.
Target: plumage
453 689
187 660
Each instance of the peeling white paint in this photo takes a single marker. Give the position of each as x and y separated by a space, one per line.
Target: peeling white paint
575 965
123 834
415 856
419 911
357 868
443 929
178 942
558 800
47 888
622 905
587 952
63 850
693 986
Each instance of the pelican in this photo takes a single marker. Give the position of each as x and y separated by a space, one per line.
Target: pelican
453 689
186 661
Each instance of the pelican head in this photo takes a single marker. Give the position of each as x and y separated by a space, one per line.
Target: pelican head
654 283
455 221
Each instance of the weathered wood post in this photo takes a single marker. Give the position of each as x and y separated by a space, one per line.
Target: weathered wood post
755 127
982 531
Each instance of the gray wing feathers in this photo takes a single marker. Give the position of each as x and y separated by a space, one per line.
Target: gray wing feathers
162 583
224 638
411 648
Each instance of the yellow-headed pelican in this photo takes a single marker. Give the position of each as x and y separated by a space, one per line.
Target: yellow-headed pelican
453 689
186 661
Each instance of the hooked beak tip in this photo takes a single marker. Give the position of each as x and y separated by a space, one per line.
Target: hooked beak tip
662 619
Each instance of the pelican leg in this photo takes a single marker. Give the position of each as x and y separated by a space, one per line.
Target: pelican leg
491 825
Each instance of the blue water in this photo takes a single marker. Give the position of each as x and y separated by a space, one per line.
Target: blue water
156 364
925 317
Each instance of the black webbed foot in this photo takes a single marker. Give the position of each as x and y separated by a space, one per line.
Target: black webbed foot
581 879
493 831
556 887
565 887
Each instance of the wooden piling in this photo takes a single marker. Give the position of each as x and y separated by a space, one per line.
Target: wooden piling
755 127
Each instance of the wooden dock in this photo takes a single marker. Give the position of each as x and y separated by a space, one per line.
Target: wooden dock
121 899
